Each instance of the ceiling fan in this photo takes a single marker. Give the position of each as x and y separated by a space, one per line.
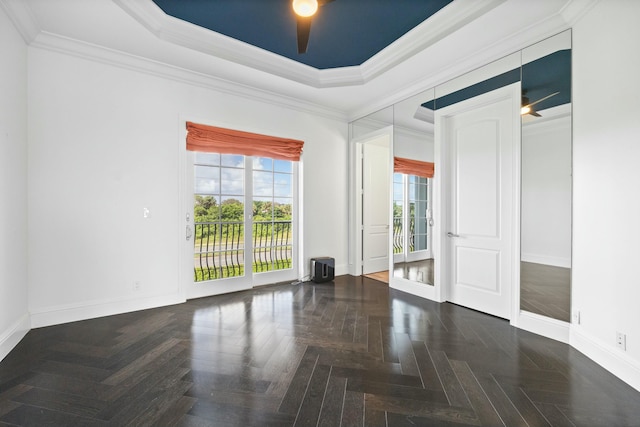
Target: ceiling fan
527 107
305 9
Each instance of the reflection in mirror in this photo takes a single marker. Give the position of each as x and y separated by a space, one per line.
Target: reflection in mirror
371 140
545 270
371 123
413 170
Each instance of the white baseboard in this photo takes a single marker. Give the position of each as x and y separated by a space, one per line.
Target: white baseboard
341 270
545 326
610 358
546 260
48 316
13 334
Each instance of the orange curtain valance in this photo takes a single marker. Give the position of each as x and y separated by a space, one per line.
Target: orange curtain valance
413 167
211 139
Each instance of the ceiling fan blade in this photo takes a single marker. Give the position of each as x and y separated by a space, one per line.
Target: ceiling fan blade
542 99
304 28
534 113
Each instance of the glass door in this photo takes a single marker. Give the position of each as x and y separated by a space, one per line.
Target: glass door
411 214
418 213
243 222
273 211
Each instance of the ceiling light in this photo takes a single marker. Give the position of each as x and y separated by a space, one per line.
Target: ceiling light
525 110
305 8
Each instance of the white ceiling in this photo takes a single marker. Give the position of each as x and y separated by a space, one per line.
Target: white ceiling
131 33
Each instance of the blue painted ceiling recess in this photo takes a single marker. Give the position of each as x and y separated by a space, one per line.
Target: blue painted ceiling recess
547 75
343 32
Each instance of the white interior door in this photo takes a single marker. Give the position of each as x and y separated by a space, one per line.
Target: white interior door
375 205
479 139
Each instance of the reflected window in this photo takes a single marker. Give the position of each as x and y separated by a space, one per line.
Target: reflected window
418 205
410 213
398 213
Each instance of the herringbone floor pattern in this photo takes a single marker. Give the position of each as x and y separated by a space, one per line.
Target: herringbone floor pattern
348 353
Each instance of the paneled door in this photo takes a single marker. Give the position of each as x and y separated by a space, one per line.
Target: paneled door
375 205
479 142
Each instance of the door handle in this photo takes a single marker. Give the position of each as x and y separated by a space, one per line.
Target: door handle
450 234
189 233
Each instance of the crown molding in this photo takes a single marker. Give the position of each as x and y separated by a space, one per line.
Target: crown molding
411 132
574 10
96 53
445 22
22 17
425 115
173 30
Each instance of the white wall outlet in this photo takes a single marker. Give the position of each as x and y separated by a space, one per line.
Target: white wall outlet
621 341
576 317
137 285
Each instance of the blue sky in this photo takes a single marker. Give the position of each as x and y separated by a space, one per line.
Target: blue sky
271 178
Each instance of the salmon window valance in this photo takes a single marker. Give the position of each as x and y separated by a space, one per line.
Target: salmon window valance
413 167
211 139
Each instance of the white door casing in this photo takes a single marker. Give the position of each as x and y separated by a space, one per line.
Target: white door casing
478 143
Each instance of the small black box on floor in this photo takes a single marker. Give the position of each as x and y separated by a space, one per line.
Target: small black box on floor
322 269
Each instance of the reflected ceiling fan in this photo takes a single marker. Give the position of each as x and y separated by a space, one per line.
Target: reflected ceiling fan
527 107
305 9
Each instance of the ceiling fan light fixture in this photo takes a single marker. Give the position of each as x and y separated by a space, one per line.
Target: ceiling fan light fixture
525 110
305 8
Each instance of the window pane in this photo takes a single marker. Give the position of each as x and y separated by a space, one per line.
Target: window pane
262 209
420 242
232 208
262 163
207 180
412 192
282 209
207 158
232 181
262 183
283 166
232 160
206 208
398 191
282 185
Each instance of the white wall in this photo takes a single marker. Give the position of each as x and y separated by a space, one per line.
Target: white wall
546 192
410 145
105 143
606 282
14 318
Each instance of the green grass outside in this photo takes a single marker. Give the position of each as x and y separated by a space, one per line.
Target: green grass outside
203 274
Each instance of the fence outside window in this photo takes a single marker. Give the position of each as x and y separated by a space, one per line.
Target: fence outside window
219 250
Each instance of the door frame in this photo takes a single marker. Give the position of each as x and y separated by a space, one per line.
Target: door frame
356 194
442 202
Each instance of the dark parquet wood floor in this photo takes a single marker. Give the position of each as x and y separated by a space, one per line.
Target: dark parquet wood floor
348 353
